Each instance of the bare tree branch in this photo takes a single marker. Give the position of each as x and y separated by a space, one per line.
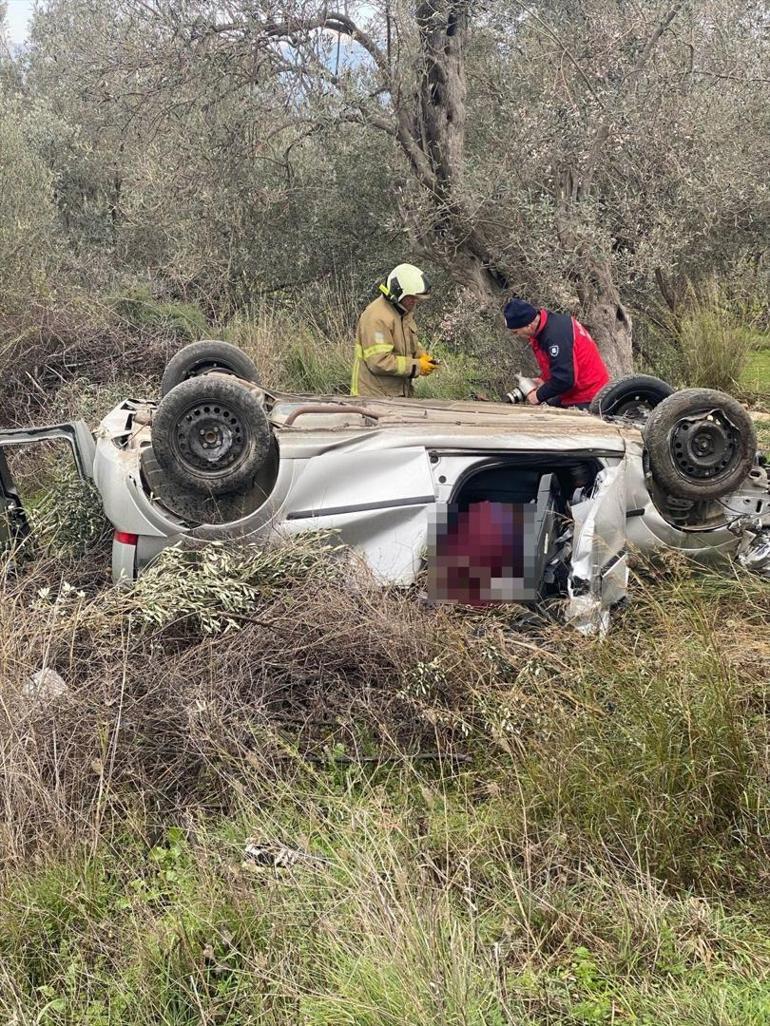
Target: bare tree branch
652 42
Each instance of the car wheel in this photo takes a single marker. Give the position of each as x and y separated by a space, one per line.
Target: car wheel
201 357
633 397
211 434
700 444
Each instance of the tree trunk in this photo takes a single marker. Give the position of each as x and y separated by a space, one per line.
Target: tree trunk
477 274
601 312
607 319
453 236
444 28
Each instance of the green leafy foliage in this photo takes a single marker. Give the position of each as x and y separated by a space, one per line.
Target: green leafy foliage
217 587
66 515
28 240
142 311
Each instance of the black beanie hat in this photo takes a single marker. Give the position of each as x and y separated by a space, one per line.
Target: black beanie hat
518 312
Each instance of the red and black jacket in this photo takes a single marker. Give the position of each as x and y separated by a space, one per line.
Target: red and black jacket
570 364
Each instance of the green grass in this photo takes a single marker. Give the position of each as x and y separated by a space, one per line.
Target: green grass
756 380
598 857
422 915
756 376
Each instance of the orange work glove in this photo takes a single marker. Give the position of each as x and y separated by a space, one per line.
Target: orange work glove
426 364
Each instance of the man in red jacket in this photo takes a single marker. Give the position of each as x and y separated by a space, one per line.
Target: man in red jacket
570 364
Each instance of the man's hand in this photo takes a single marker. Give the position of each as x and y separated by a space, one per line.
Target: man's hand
426 364
532 398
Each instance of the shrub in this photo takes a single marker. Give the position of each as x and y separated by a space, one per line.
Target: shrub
216 587
27 216
708 343
45 348
141 310
68 517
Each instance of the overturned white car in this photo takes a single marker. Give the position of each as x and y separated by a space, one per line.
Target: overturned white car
497 502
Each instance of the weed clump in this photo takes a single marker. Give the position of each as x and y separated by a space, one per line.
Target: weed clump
708 340
142 311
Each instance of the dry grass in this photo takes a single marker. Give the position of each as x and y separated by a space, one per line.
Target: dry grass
309 349
667 702
80 359
71 361
168 713
297 350
519 825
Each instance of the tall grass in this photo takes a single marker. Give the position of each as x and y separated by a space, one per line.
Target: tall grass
513 827
305 349
420 913
708 342
308 349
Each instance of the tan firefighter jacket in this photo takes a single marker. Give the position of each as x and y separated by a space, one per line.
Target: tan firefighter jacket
385 360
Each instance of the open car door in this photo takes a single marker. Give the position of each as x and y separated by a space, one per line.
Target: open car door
598 578
14 524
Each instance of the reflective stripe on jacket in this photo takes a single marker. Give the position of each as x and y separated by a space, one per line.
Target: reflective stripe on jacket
570 363
385 358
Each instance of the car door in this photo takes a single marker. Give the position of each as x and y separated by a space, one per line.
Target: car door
14 525
598 578
375 501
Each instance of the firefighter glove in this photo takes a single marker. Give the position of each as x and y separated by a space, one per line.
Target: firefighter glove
426 363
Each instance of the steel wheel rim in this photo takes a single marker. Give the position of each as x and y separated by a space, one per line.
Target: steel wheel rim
635 407
703 447
209 438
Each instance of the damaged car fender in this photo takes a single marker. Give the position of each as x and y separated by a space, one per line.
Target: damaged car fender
598 578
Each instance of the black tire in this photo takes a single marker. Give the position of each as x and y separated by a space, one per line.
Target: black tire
211 434
700 444
201 357
633 397
188 504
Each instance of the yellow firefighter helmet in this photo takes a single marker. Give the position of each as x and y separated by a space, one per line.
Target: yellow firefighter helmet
405 280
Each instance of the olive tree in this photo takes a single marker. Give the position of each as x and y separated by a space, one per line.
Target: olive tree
27 214
193 168
569 148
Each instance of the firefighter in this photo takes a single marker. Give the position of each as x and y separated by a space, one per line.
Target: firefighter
388 356
572 368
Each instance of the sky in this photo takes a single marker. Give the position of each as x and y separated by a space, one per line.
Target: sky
20 13
17 19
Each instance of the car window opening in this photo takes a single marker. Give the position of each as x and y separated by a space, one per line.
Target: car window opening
506 534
